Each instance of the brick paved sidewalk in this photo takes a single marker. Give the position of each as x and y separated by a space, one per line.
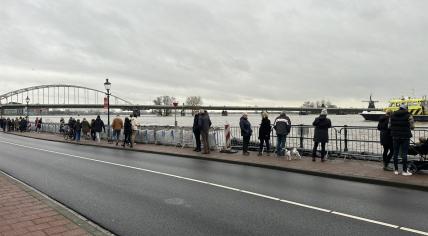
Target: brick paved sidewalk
357 170
23 211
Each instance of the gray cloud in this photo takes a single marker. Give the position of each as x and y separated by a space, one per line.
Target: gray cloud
229 52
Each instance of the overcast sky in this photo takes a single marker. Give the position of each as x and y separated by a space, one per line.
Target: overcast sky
229 52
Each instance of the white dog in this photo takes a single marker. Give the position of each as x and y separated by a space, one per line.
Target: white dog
293 154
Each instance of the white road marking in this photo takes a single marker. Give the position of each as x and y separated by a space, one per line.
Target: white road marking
365 219
229 188
414 231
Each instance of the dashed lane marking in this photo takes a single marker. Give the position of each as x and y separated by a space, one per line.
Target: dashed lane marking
229 188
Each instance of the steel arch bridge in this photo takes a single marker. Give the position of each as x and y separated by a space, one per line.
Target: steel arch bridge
59 94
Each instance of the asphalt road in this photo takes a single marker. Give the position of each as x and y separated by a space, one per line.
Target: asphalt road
132 193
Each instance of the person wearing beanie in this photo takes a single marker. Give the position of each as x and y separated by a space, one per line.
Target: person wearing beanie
322 124
401 125
386 140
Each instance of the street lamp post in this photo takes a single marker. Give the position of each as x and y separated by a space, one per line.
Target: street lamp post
175 103
27 100
107 86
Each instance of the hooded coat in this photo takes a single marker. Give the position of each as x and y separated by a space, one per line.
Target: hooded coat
401 124
322 124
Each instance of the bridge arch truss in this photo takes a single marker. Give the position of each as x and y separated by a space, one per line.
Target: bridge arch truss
59 94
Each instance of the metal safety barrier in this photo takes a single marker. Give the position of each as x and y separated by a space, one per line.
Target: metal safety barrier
357 142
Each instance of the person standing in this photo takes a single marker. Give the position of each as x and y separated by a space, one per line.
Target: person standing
127 131
117 126
86 127
322 124
264 133
135 124
98 128
93 134
197 132
386 140
282 126
78 130
401 124
204 124
246 132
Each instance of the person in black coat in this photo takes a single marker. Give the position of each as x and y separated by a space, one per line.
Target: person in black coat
322 124
264 133
197 132
401 125
127 131
246 132
385 140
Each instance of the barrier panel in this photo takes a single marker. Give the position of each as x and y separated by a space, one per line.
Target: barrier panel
358 142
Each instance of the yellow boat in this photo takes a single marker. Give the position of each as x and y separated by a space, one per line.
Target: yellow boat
418 107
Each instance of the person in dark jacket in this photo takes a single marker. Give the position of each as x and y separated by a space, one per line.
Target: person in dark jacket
98 128
78 130
127 131
93 135
401 124
204 124
246 133
385 140
264 133
197 132
282 126
322 124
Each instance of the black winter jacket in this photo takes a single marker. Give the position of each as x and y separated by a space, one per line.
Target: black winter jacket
385 131
400 124
322 124
265 129
98 125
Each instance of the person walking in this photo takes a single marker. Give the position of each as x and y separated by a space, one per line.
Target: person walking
282 126
322 124
98 128
77 130
386 140
401 124
86 128
127 131
246 133
204 124
135 124
117 126
197 132
264 133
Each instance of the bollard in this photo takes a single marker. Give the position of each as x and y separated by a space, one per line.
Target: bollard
346 138
227 144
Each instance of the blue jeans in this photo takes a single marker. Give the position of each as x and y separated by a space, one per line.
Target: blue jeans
280 144
116 135
400 144
78 135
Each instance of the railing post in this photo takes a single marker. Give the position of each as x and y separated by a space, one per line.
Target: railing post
346 138
301 135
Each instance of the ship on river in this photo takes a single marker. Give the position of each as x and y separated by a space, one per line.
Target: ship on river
418 107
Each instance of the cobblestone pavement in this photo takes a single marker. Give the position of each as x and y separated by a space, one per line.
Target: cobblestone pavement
24 211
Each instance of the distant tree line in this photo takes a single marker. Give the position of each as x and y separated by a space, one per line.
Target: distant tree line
318 104
193 101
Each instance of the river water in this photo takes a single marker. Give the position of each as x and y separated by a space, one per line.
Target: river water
233 119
